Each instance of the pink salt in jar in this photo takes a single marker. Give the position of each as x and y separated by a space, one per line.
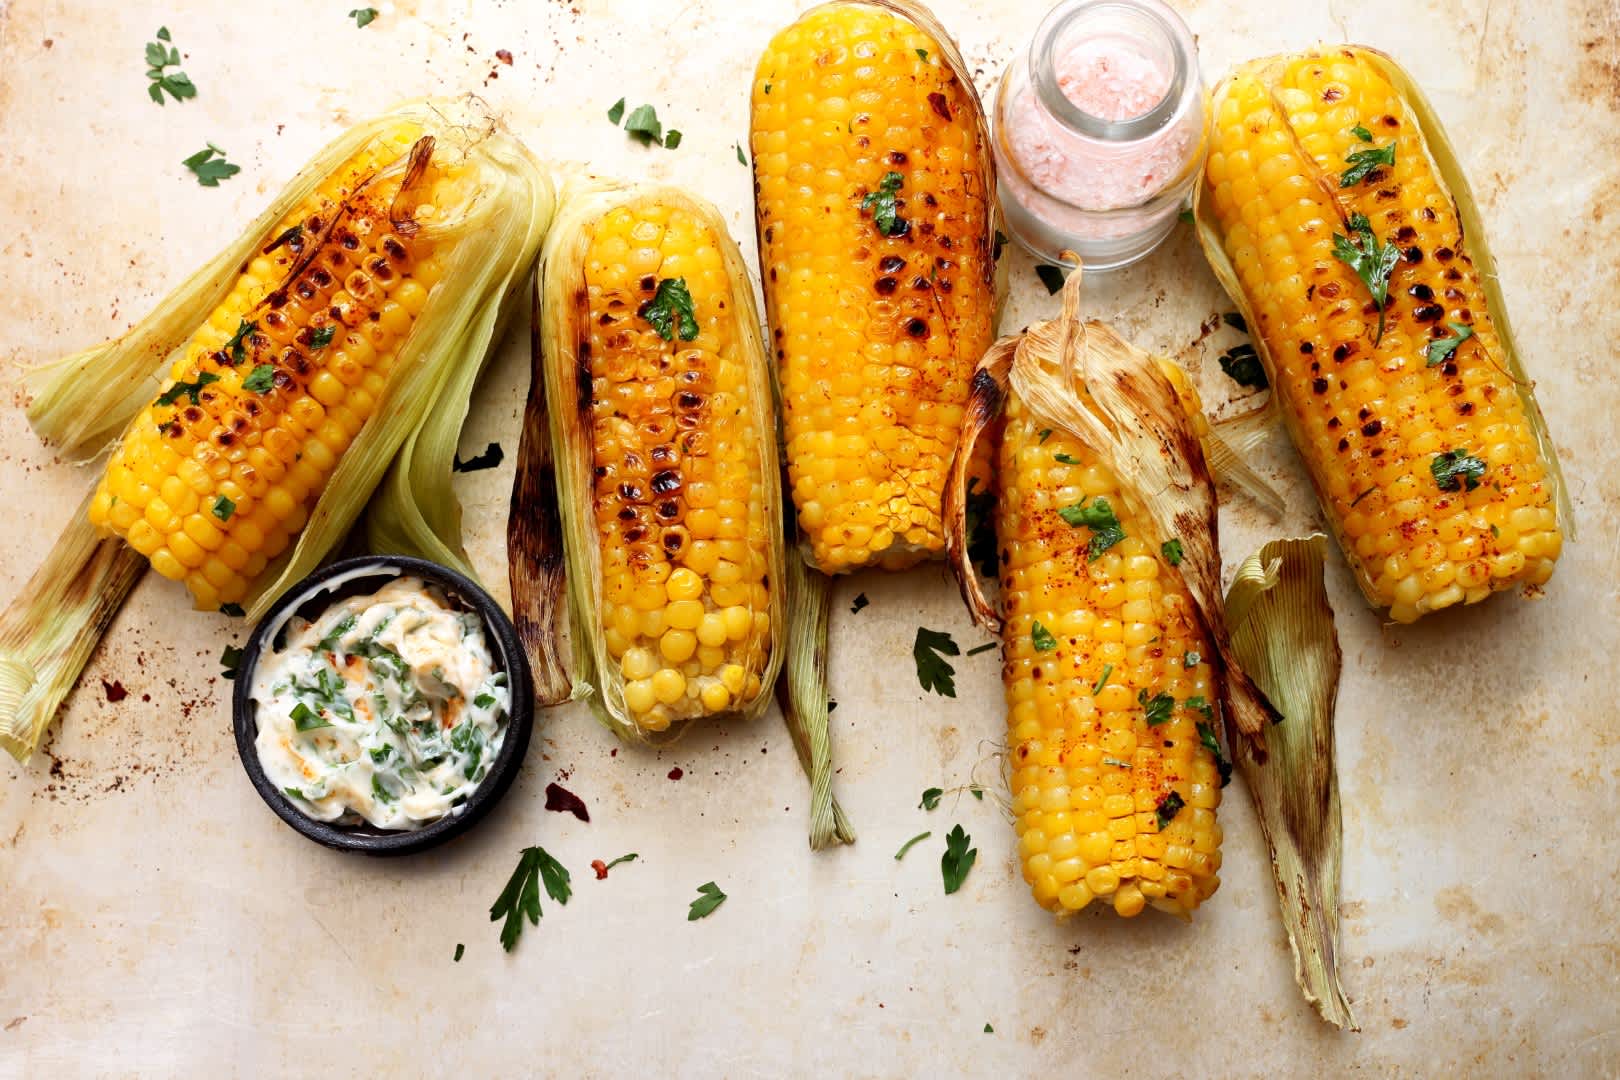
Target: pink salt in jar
1100 131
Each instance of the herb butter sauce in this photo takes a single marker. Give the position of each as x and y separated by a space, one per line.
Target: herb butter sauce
387 708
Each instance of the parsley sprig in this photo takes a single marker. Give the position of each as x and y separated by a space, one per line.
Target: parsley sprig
957 860
1454 469
709 898
670 310
161 54
521 897
210 166
934 672
1372 261
1098 516
1363 162
883 205
1442 350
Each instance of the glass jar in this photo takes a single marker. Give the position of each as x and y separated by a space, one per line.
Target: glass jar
1100 131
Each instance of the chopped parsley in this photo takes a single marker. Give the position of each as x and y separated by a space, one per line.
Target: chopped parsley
1052 277
631 857
884 207
709 898
236 348
1102 680
223 508
672 139
162 54
521 897
988 1030
186 389
1198 703
260 379
364 17
922 54
1169 807
1440 351
1363 162
1045 433
670 310
860 602
210 166
1042 638
322 337
484 701
1361 133
1098 516
379 754
305 718
1241 363
491 457
934 672
1157 707
1206 735
229 661
1065 459
742 158
1457 468
644 126
1371 260
460 949
930 798
977 649
616 113
909 844
1172 552
957 860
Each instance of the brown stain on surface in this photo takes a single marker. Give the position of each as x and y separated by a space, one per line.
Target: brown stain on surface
1457 904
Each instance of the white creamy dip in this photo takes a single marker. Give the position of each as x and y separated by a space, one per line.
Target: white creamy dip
387 708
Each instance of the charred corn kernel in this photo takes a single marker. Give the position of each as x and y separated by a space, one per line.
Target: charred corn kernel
247 396
1081 710
1371 416
877 321
673 449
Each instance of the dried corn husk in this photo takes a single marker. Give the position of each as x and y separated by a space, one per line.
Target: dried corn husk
596 676
1282 633
84 401
1118 400
1456 181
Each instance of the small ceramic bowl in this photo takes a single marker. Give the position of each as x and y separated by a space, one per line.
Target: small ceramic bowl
353 577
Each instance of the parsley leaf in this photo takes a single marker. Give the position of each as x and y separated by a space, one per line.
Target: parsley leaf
1441 351
1065 459
1042 638
364 17
1169 807
1206 735
616 113
1172 552
491 457
1098 516
236 348
1454 468
957 860
882 203
1361 133
260 379
162 54
1371 261
1241 363
186 389
1363 162
1198 703
322 337
1052 277
381 793
1157 707
1045 433
930 798
229 661
670 310
981 529
672 139
644 126
209 168
1102 680
909 844
934 672
521 897
709 898
305 718
484 701
460 949
742 159
988 1030
860 602
223 508
922 54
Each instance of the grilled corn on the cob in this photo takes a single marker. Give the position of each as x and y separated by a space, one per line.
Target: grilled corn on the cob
875 198
664 437
1328 183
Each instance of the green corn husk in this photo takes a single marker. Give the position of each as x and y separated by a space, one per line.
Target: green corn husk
1282 632
85 400
597 677
1450 170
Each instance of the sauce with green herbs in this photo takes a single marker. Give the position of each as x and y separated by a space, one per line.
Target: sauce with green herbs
388 708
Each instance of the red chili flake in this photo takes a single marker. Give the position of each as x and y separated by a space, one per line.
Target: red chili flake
561 799
115 690
940 105
676 773
504 57
601 869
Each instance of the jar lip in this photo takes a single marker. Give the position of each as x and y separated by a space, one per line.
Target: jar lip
1043 69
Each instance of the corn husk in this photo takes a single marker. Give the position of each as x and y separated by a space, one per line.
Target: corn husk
85 400
1282 632
1084 378
1450 171
596 677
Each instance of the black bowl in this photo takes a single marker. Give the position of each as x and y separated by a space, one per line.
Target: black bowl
349 578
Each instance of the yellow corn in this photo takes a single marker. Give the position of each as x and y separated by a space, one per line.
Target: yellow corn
1375 421
678 467
1114 789
875 326
216 477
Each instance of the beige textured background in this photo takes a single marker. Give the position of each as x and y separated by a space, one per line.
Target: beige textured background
156 917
